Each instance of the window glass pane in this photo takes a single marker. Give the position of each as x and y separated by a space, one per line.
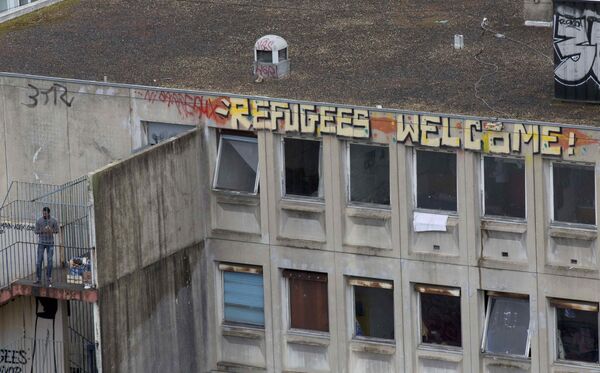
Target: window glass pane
504 184
238 164
302 167
243 298
308 304
264 56
157 132
577 335
574 193
440 319
436 180
507 326
374 312
369 174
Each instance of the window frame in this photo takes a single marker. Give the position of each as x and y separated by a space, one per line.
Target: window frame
321 189
348 175
218 165
488 310
287 305
353 282
576 305
415 182
450 291
482 189
223 267
551 195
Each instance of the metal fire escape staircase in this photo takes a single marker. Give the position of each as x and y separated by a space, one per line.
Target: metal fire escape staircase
70 205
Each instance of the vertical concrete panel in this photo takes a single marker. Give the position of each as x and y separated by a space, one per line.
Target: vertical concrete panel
3 167
36 131
98 125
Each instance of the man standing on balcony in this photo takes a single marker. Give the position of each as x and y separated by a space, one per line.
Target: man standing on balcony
46 227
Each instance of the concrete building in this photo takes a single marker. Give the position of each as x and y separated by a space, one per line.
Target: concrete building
279 234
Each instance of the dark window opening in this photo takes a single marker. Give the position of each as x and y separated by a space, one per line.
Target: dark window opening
282 54
507 326
574 193
440 320
158 132
577 335
237 164
264 56
436 180
369 174
374 312
302 167
308 300
504 186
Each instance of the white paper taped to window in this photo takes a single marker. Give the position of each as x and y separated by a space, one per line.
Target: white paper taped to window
423 222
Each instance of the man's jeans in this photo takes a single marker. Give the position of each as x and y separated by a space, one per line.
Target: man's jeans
40 259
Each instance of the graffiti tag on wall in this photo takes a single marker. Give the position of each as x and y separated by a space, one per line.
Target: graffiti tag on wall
19 227
375 125
12 361
55 95
577 45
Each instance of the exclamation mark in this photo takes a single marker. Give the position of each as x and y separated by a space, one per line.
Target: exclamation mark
571 143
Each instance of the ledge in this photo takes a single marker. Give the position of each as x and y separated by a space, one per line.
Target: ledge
242 332
372 347
308 340
302 206
572 233
503 226
236 198
368 213
235 367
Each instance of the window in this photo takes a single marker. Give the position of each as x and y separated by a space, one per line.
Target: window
158 132
264 56
373 308
308 300
237 164
504 187
576 330
440 315
302 167
369 174
506 328
436 180
243 295
282 54
574 193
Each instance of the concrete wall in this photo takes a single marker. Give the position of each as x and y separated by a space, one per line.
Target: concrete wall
150 238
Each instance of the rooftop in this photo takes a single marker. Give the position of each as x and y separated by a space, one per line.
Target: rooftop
397 54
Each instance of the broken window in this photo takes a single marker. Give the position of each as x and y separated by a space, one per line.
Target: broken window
237 164
308 300
302 167
574 193
576 330
369 174
436 180
504 187
243 295
506 328
440 315
373 308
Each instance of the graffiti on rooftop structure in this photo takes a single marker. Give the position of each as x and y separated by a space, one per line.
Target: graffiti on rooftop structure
56 94
376 125
577 46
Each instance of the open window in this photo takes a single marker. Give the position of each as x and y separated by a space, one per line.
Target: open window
574 193
436 180
373 308
155 132
243 295
308 300
576 330
302 160
237 164
369 174
504 187
506 330
440 315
